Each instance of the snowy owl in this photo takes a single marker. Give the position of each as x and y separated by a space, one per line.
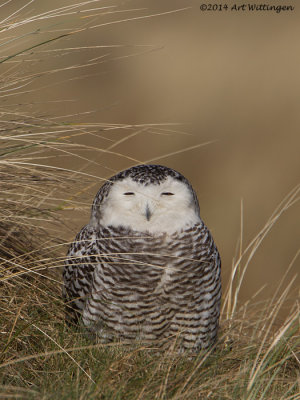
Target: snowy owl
145 267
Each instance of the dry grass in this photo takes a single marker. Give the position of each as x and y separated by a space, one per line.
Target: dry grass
257 354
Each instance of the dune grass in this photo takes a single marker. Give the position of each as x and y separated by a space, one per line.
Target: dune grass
257 355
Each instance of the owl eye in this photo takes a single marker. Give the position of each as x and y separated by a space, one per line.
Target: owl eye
167 194
128 193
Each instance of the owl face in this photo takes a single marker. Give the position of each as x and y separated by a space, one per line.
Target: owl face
167 206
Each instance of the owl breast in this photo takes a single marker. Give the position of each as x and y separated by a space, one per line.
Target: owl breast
150 287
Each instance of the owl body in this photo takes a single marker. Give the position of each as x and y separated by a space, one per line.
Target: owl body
146 267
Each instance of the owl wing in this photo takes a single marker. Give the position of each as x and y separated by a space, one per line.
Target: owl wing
209 289
78 272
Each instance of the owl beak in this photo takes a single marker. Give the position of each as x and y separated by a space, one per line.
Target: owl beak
148 213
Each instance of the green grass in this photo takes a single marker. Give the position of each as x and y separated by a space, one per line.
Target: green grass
257 354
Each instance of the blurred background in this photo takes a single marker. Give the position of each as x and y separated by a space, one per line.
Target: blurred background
214 95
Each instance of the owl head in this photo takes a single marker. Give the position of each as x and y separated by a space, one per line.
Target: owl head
146 198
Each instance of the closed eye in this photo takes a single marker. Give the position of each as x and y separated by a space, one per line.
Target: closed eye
128 193
167 194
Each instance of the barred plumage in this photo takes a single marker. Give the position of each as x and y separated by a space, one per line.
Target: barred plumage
146 266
